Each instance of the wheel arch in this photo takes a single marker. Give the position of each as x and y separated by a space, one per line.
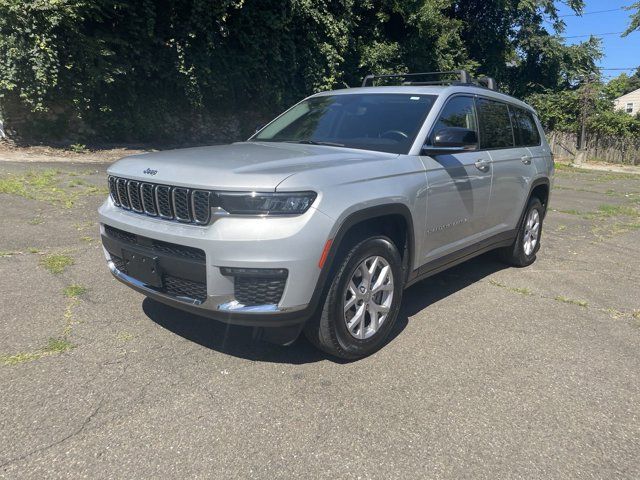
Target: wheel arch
539 186
391 219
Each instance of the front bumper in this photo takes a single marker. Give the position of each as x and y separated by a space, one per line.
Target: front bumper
291 243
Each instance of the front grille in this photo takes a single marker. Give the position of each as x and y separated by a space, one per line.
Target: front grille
180 287
258 290
179 250
158 246
164 201
135 199
120 234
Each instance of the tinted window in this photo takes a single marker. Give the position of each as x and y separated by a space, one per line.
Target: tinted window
458 112
495 124
382 122
524 127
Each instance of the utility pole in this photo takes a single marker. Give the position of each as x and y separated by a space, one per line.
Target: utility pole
581 155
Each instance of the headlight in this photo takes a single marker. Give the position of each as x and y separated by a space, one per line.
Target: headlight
293 203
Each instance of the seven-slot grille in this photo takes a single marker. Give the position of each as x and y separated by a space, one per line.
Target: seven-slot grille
163 201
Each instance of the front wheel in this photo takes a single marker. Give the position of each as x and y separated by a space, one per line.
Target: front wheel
523 251
363 301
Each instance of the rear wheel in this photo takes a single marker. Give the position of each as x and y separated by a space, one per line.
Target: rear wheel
523 251
362 304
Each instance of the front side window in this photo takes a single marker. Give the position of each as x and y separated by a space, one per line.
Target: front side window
459 112
495 124
525 129
381 122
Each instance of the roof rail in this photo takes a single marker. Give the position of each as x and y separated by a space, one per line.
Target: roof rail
462 77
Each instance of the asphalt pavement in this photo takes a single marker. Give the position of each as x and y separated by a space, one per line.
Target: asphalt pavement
493 372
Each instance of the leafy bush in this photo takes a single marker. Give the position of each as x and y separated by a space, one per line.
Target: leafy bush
116 70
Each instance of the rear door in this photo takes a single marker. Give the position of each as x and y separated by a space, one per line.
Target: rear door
511 161
459 187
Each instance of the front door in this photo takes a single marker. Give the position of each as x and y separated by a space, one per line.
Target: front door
459 187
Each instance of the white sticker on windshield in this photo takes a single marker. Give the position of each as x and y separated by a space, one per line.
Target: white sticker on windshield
415 98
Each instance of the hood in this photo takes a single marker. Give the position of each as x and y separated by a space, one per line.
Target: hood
239 166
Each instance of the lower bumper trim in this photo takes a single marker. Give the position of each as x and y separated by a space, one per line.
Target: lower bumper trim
227 311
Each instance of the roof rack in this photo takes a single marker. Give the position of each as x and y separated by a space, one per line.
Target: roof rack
461 77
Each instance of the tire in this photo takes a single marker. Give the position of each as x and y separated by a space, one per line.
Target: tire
522 253
329 330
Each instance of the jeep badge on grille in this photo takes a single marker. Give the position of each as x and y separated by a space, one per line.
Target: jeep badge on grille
148 171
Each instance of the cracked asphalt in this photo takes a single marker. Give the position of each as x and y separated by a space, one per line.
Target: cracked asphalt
493 372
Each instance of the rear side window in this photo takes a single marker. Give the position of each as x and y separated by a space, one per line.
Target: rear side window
495 124
525 129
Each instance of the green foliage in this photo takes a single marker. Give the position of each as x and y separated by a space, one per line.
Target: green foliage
51 186
622 84
634 24
56 263
74 291
614 123
119 70
562 110
53 347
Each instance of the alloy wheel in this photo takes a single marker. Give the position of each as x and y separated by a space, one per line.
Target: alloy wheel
368 297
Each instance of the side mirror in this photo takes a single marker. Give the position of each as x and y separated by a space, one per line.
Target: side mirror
259 127
452 140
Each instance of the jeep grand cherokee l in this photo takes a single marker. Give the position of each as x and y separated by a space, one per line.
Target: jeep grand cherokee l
320 220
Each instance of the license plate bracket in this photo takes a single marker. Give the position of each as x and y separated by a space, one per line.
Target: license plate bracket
144 268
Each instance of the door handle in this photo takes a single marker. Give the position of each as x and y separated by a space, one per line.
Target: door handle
526 159
482 165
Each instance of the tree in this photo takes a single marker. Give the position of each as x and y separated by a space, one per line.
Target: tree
201 70
622 85
634 24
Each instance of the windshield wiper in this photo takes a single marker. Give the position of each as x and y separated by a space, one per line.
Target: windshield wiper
316 142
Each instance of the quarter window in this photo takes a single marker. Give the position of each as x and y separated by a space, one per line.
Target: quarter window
495 124
525 129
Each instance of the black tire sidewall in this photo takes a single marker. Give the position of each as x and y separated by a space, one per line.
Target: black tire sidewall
525 259
348 345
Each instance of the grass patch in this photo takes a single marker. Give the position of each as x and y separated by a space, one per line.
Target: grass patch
580 303
563 167
607 210
519 290
78 148
53 347
571 211
125 336
80 226
74 291
36 221
7 254
50 186
57 345
33 250
56 262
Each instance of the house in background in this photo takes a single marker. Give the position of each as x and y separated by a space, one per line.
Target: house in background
629 103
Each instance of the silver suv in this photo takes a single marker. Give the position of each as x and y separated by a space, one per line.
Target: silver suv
320 220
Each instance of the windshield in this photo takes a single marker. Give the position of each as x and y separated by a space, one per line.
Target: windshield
382 122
